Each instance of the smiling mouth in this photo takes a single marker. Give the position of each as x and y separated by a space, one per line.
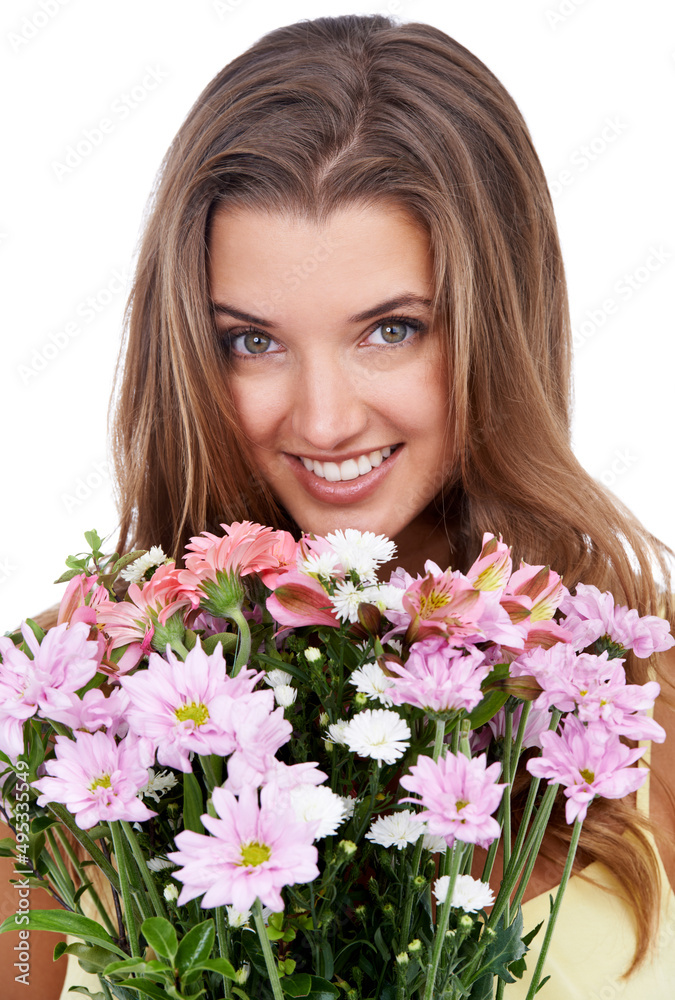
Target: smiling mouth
352 468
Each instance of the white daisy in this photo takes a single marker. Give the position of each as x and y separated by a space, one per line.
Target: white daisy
397 830
317 802
378 734
336 732
135 571
384 596
437 845
469 894
361 551
237 918
346 600
159 863
158 783
372 681
324 565
275 678
348 805
285 695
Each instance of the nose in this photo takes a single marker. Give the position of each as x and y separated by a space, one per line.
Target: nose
328 410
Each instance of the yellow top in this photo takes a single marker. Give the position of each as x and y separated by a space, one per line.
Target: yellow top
594 939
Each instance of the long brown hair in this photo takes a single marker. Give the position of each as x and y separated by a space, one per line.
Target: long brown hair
332 112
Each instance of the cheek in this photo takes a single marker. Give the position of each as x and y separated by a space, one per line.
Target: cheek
256 407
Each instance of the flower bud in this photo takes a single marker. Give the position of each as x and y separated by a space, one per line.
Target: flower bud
465 923
313 655
403 958
360 700
370 617
348 848
360 913
415 946
171 893
172 631
241 975
285 695
323 720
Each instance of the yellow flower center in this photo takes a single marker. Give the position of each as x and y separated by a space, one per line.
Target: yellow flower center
102 782
459 804
254 853
432 602
587 775
198 713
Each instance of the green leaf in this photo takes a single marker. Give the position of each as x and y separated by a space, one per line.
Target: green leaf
189 639
87 993
41 823
228 640
220 965
322 990
64 578
193 804
128 558
63 922
483 988
37 631
161 936
507 947
196 946
542 983
92 960
298 985
518 967
146 987
94 541
488 707
136 965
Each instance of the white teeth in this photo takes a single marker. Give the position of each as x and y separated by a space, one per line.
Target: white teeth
349 470
352 468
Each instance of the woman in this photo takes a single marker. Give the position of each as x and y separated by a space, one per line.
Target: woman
350 310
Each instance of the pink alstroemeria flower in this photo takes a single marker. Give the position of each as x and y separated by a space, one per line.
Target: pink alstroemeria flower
254 851
442 604
492 570
132 622
285 551
588 761
438 677
97 779
592 615
458 796
299 599
73 607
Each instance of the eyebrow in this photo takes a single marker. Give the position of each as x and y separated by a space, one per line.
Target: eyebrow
407 299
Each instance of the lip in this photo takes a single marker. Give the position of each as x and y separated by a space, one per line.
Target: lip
350 492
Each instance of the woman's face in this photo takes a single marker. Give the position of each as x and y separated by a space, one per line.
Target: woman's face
336 373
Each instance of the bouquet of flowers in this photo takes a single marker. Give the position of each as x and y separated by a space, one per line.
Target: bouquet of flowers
279 767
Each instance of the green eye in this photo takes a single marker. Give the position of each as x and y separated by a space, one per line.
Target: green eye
252 343
394 333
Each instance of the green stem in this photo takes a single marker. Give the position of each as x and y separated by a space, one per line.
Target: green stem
244 645
146 874
178 647
507 776
442 924
85 840
407 913
112 930
532 843
556 909
125 890
272 970
223 949
439 738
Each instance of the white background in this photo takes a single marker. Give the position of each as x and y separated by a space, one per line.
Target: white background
575 70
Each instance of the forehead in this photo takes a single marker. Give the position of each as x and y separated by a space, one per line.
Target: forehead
274 263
